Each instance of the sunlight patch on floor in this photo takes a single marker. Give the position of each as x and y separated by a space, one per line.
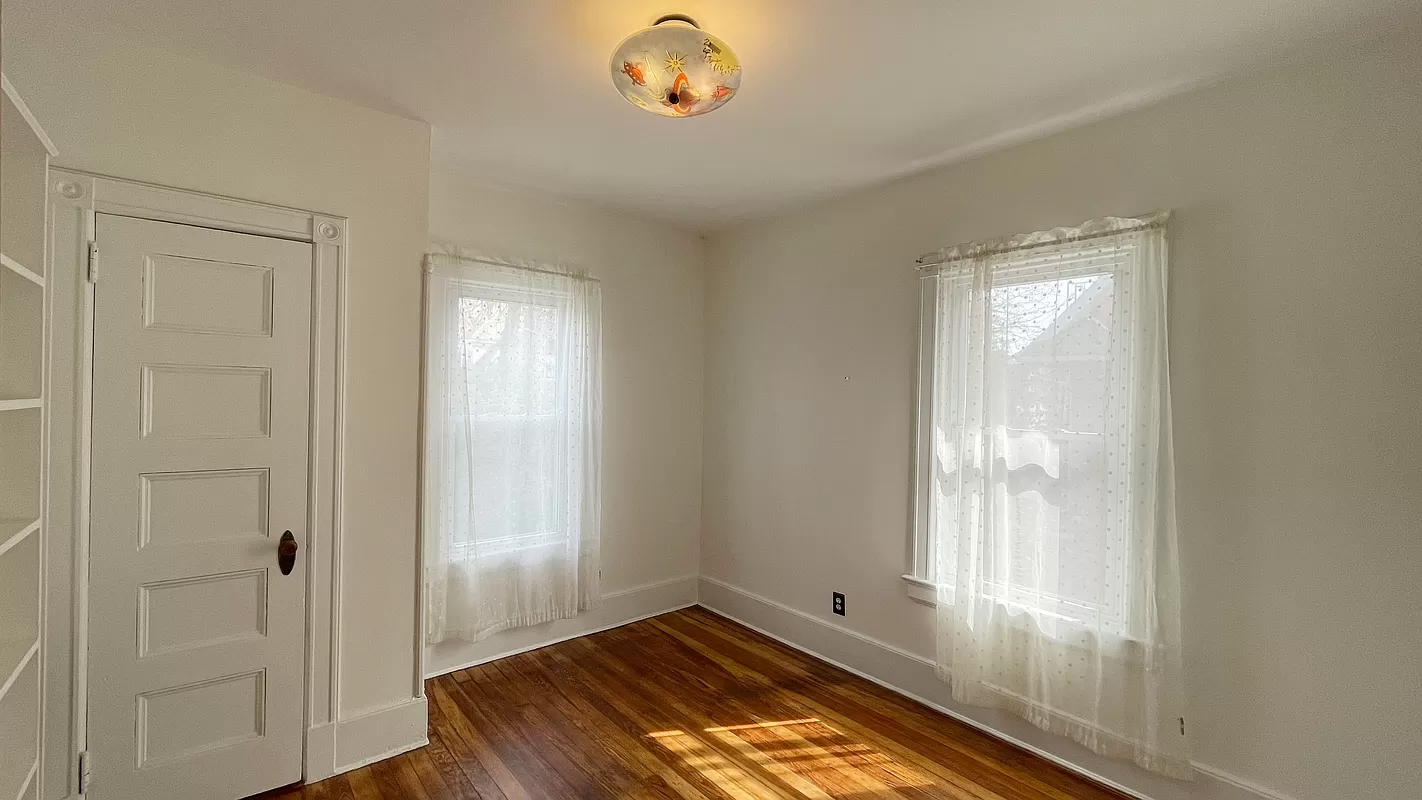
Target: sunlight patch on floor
704 759
750 725
807 755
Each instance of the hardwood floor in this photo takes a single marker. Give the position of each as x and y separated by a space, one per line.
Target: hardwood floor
690 705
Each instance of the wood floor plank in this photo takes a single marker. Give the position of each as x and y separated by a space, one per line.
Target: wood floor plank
574 754
363 785
667 728
394 779
711 691
337 788
449 741
692 718
622 711
494 717
690 705
449 769
429 775
477 754
607 741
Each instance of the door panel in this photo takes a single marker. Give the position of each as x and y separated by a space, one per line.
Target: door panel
202 343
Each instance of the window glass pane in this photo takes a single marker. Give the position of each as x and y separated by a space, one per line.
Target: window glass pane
510 350
506 424
1048 369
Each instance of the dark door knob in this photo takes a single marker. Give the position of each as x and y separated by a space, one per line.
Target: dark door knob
286 553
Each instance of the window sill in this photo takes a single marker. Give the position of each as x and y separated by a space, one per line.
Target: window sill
920 590
926 592
508 545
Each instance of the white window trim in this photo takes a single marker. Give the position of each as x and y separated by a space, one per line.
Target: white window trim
916 581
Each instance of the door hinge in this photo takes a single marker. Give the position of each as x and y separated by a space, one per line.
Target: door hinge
93 262
86 763
1182 726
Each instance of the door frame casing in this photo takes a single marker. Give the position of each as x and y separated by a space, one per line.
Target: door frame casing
75 197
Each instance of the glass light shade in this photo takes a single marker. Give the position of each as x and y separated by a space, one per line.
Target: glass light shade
675 69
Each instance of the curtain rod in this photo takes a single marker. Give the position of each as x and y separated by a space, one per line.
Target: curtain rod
928 261
494 262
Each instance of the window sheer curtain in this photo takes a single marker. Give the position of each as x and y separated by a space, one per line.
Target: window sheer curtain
1052 516
513 441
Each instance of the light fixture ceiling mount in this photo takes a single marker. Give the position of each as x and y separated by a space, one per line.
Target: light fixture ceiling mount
675 69
675 18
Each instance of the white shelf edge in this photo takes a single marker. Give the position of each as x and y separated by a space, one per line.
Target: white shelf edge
29 116
22 527
24 653
20 667
30 778
22 270
21 403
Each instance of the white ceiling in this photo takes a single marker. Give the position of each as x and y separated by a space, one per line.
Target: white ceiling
836 93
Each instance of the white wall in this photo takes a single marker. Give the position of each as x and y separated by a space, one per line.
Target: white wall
124 107
1296 313
652 285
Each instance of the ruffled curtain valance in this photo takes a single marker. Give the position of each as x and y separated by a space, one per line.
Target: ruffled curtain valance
1091 229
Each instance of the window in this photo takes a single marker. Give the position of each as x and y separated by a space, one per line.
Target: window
512 478
1045 526
505 422
1025 431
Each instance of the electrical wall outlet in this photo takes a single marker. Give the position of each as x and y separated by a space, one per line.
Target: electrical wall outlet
839 603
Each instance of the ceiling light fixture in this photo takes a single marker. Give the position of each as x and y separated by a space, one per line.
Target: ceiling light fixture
675 69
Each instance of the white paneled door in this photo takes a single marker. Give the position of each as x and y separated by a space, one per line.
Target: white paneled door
202 343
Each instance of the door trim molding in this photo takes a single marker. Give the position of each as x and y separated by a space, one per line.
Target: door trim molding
75 197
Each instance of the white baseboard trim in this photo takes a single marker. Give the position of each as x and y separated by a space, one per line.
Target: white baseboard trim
380 734
912 676
617 609
320 752
1245 788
